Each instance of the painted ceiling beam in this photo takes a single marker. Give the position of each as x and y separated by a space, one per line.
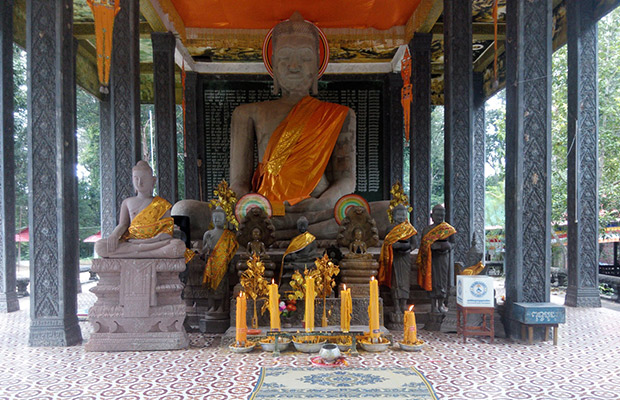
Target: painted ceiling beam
86 30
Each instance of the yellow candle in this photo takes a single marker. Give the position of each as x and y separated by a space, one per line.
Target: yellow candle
274 312
346 307
309 312
242 327
411 330
373 310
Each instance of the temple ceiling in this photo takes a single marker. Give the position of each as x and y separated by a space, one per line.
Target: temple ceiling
363 34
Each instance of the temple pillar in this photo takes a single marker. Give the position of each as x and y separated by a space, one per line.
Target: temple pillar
582 156
8 294
165 115
420 129
120 143
528 152
393 156
192 186
479 160
109 208
52 158
458 146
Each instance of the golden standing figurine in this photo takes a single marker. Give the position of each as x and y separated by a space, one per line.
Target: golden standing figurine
254 283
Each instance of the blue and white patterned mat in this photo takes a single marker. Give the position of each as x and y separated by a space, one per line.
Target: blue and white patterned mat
342 384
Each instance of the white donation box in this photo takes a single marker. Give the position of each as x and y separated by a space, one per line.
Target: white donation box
475 291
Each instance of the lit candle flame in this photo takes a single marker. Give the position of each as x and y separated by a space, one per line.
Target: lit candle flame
273 281
372 279
240 294
344 286
411 307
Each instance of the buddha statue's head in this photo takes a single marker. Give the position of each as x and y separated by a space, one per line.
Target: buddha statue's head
295 57
302 224
143 179
438 215
218 216
400 213
256 234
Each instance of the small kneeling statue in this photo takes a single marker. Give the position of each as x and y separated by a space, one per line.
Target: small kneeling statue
145 226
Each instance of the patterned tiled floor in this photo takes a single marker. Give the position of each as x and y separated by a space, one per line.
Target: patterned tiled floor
585 365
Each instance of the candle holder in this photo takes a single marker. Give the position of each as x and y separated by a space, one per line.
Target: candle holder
375 344
246 348
412 346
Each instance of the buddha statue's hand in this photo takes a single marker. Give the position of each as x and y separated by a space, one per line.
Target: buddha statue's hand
310 204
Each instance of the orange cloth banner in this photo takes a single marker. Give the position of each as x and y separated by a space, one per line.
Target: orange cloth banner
406 92
424 260
220 257
298 152
104 12
402 231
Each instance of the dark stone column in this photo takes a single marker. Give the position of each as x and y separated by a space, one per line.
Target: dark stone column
582 156
8 294
528 152
393 156
165 115
458 92
51 169
109 207
479 158
192 187
124 111
420 129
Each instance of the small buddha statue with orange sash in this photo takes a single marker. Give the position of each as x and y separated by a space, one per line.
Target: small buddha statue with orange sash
300 253
395 260
145 226
434 259
219 248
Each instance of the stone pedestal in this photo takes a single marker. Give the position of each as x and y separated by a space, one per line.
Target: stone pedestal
138 305
356 273
194 294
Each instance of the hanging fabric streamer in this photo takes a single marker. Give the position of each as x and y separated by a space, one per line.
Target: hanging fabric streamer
104 12
495 80
406 91
183 105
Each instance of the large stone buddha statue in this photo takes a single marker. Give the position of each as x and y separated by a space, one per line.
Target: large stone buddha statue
306 147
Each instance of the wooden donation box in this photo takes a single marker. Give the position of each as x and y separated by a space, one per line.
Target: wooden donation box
475 295
547 315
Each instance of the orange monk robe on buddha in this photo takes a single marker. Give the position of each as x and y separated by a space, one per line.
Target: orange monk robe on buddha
149 223
219 259
424 261
298 152
402 231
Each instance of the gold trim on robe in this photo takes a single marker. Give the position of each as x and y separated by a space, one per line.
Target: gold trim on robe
298 243
402 231
220 257
298 152
424 260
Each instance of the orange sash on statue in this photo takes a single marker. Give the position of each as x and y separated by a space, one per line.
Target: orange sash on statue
220 257
402 231
148 224
424 260
298 152
298 243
